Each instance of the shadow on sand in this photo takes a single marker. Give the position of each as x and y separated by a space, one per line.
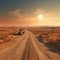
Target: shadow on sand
54 47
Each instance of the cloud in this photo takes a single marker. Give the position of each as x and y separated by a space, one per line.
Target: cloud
15 14
48 14
12 16
39 11
17 17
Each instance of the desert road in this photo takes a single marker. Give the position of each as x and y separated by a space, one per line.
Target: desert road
26 47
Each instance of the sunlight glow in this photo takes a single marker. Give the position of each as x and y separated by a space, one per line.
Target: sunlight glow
40 17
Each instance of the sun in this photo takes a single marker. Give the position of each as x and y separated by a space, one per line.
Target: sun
40 17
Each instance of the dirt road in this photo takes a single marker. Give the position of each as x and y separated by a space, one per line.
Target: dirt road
25 47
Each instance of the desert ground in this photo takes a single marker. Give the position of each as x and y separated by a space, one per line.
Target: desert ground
37 43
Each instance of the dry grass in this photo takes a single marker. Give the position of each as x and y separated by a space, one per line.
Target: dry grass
47 34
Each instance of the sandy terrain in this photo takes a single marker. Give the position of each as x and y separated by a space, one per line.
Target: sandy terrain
25 47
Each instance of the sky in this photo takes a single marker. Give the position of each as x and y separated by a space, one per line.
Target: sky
26 12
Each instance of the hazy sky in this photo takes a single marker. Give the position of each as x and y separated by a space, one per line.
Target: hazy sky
25 12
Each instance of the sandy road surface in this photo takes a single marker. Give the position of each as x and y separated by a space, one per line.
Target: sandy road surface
24 47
